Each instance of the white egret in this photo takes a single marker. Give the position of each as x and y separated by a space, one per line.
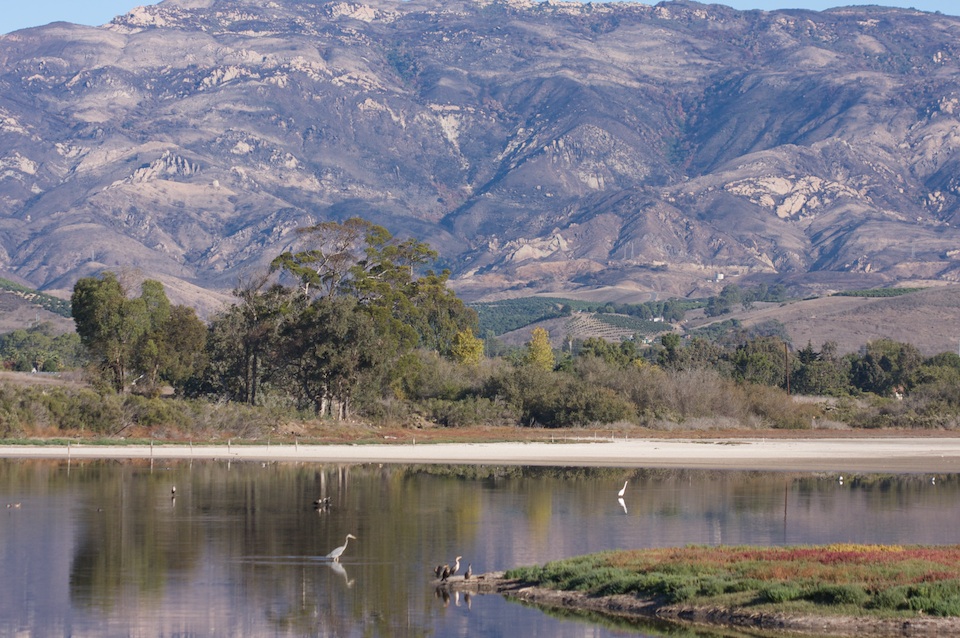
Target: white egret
623 490
335 554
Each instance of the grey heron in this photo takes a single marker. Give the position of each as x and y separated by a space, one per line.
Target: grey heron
335 554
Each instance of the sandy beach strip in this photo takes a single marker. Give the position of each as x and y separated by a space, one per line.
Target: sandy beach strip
895 455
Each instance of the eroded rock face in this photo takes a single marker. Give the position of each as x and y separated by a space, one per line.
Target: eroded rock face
537 146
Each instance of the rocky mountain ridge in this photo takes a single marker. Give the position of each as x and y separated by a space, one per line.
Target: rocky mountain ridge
625 149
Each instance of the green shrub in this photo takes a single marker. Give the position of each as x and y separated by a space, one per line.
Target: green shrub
469 412
679 590
892 599
780 593
935 599
712 586
844 594
152 412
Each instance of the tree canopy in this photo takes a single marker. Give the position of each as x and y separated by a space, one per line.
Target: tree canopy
136 340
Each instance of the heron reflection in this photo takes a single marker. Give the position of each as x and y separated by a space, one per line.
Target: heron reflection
341 570
622 504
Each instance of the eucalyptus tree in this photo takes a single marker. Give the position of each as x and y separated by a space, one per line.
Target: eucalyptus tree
109 324
140 340
364 304
329 251
327 349
182 351
243 341
148 353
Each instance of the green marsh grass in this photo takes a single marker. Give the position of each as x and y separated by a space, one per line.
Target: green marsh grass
883 580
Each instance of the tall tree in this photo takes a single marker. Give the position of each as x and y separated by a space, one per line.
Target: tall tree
244 339
820 373
436 313
467 349
109 324
183 353
362 260
539 351
885 365
150 349
328 348
329 251
363 304
763 361
144 338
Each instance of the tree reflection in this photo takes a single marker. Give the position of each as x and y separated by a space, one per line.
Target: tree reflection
241 547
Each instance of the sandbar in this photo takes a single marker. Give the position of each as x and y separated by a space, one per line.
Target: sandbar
893 454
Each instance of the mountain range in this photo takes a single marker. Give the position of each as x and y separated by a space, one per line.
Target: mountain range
614 150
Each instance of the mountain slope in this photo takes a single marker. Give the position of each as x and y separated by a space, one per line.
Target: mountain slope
537 146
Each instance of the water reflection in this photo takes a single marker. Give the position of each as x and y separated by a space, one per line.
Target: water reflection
106 548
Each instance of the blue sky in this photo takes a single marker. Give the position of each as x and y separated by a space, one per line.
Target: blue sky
31 13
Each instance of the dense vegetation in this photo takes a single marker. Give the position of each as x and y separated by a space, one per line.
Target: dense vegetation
839 579
878 292
41 349
354 323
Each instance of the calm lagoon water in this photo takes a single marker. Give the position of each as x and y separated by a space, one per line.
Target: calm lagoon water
101 548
